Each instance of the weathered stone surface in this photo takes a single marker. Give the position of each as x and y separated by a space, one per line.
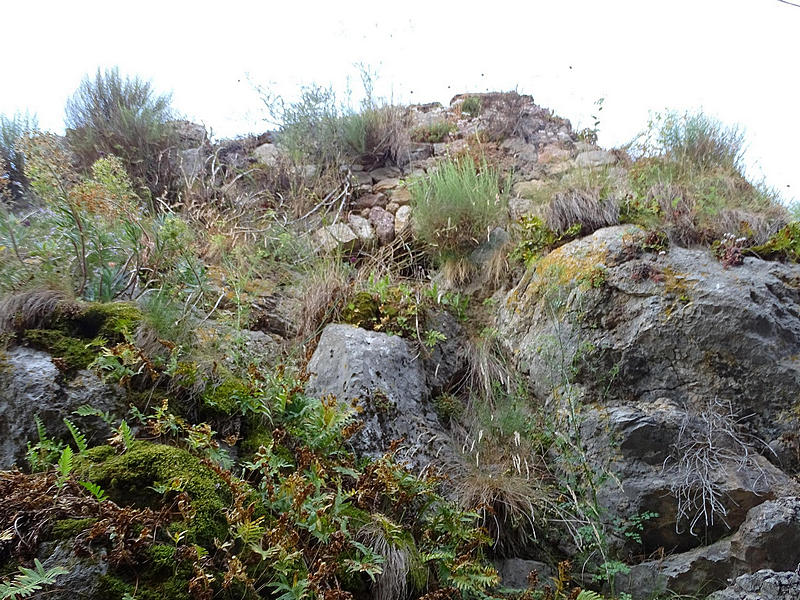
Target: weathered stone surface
419 151
193 163
268 154
768 539
400 195
333 237
387 379
595 158
362 178
392 207
402 219
31 384
514 572
385 173
522 150
518 208
553 153
362 229
383 222
446 362
763 585
384 185
676 325
189 135
83 578
636 443
369 200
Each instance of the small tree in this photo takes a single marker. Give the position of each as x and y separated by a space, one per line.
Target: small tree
109 114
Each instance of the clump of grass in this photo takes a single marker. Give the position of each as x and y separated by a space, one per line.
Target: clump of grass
34 308
688 177
472 106
124 116
456 206
433 133
327 284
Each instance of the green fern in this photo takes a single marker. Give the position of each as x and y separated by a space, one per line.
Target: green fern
589 595
65 464
29 581
96 491
78 436
126 434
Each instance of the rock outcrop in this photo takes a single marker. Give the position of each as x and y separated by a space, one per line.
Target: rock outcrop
30 385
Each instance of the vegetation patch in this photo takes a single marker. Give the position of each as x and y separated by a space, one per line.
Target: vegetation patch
147 471
434 133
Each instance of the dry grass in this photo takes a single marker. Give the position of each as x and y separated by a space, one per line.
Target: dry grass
35 308
581 206
709 445
401 560
326 287
457 271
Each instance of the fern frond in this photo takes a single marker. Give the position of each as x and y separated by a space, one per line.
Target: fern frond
589 595
95 490
78 436
29 581
65 463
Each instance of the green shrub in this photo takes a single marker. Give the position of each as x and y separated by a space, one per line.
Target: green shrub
472 106
124 116
433 133
456 206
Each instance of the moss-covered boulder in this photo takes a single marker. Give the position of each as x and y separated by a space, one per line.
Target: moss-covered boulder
147 473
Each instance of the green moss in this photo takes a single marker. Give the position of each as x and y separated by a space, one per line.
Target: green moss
391 309
76 338
784 245
111 321
64 529
363 310
73 351
227 396
130 478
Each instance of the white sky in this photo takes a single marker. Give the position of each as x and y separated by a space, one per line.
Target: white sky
737 59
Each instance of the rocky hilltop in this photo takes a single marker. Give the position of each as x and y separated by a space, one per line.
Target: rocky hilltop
426 351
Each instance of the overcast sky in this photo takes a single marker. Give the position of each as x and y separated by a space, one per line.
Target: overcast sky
736 59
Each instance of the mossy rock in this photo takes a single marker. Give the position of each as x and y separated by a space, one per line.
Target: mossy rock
129 479
227 396
75 352
77 338
363 310
64 529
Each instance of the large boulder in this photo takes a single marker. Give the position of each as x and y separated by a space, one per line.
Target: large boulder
619 324
386 378
768 539
763 585
31 384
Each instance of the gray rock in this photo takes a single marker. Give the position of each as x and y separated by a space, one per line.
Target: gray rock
362 229
369 200
83 578
193 163
446 362
383 222
384 185
595 158
518 208
676 325
387 380
419 151
763 585
514 572
522 150
385 173
402 219
768 539
335 237
268 154
31 384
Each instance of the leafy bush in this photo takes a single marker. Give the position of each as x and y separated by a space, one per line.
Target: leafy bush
317 128
433 133
13 183
472 105
455 207
124 116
